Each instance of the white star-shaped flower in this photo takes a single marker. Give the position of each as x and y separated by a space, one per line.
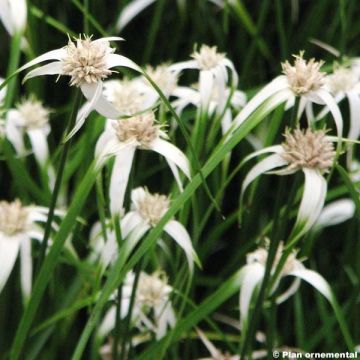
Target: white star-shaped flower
121 138
88 62
18 225
303 150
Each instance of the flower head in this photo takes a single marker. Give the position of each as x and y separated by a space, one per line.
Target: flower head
304 76
341 80
260 255
13 218
207 57
308 149
165 79
152 311
124 95
85 61
18 226
153 290
151 207
88 63
33 113
141 128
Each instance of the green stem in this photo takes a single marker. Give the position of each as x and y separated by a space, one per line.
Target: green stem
131 307
187 139
115 349
58 181
118 235
51 261
14 60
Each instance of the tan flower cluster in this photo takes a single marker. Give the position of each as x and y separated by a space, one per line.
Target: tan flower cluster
308 149
153 290
208 57
140 128
13 217
304 76
86 61
341 80
126 97
153 207
165 79
34 114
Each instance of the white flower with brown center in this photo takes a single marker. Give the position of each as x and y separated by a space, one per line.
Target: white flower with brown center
152 310
121 138
29 117
309 151
152 207
214 68
88 62
304 76
253 272
146 211
13 14
303 79
18 225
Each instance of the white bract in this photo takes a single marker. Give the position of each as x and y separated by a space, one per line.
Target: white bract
29 117
309 151
13 14
121 138
213 67
152 310
18 226
135 7
190 96
88 62
253 273
335 213
303 79
146 211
